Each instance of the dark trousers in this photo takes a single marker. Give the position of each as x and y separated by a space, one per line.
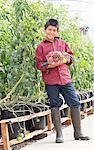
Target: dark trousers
67 91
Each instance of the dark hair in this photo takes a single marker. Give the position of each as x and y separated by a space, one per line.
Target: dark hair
52 22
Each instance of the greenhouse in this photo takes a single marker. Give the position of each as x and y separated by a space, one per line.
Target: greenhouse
46 74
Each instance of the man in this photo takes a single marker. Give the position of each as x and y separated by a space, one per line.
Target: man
52 57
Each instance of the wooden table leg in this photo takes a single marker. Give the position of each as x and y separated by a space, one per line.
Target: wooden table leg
49 121
93 103
5 136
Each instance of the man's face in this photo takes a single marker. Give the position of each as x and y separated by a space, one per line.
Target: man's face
51 32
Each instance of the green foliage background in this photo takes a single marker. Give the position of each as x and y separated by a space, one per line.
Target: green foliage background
21 29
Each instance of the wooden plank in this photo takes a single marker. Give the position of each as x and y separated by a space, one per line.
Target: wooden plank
87 111
49 132
37 132
5 136
26 117
93 102
69 112
63 106
31 116
90 110
66 120
87 100
28 136
49 121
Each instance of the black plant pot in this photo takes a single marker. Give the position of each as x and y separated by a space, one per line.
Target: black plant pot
82 107
89 104
62 113
65 112
14 128
40 122
91 94
78 95
35 123
84 96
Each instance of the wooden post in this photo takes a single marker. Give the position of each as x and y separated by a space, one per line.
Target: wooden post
67 122
93 103
5 136
69 112
49 121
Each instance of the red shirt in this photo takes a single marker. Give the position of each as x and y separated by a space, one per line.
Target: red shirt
58 75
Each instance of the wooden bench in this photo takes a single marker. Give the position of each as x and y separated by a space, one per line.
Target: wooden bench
4 127
88 110
4 124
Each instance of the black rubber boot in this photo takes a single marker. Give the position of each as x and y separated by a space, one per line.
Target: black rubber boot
57 124
76 120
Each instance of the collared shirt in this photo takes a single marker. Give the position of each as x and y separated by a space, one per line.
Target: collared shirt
59 75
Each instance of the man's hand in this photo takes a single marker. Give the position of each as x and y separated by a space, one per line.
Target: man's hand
67 56
55 58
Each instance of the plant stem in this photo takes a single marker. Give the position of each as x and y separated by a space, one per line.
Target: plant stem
13 89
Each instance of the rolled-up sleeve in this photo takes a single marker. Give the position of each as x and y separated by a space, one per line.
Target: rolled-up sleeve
40 59
69 51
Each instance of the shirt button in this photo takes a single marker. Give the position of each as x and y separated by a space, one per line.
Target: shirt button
60 75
